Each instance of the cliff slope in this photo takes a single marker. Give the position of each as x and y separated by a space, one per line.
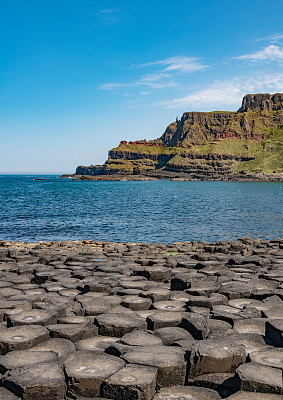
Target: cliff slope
208 144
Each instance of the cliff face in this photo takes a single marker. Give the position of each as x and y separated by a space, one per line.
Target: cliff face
208 143
262 101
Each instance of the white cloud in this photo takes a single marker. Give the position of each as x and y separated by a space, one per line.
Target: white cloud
226 93
163 78
277 37
269 53
182 64
109 11
153 81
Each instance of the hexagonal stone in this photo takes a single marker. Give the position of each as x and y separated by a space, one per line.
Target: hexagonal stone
223 383
136 303
170 305
241 395
141 338
32 317
60 347
162 319
22 337
155 273
37 382
97 343
260 378
75 319
186 393
218 328
215 355
270 357
131 382
252 342
251 325
274 331
5 394
171 334
196 324
170 362
118 325
72 332
21 358
86 372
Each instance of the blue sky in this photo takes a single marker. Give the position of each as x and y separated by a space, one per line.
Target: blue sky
78 76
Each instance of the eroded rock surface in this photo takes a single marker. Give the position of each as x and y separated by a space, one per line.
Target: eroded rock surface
91 320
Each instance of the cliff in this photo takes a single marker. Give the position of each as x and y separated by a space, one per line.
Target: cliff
208 144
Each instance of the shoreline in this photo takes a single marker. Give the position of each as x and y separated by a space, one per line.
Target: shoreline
182 177
89 243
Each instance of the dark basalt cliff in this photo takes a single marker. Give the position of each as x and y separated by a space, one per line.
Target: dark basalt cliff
207 145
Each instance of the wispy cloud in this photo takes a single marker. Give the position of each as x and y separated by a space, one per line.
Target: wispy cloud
153 81
226 93
162 78
109 11
269 53
276 38
182 64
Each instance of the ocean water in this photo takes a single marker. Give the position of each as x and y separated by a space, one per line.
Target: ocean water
150 211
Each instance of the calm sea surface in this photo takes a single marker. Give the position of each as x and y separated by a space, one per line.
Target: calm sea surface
152 211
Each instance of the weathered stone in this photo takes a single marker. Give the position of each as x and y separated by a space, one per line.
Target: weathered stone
141 338
136 303
97 344
215 356
169 335
186 393
260 378
274 331
242 395
223 383
7 395
32 317
169 361
22 337
37 382
131 382
270 357
118 325
22 358
196 324
162 319
72 332
86 372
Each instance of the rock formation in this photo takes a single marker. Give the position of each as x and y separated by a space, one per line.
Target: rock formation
207 144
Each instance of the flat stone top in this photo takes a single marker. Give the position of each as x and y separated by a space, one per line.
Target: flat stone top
22 333
133 375
219 348
241 395
43 374
156 356
260 373
186 393
83 364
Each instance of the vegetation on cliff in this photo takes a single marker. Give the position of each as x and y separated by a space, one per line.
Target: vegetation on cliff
209 143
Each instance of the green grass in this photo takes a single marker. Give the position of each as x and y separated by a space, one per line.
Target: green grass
266 154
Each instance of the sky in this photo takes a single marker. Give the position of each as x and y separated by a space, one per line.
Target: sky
79 76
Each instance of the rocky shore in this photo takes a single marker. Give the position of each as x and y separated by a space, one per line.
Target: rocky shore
90 320
179 176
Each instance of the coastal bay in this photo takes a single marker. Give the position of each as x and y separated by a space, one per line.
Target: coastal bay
145 211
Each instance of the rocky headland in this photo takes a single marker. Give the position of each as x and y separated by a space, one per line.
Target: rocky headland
95 320
218 145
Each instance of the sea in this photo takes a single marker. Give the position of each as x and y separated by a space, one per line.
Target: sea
161 211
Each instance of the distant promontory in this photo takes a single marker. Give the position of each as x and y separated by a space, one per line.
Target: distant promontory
218 145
